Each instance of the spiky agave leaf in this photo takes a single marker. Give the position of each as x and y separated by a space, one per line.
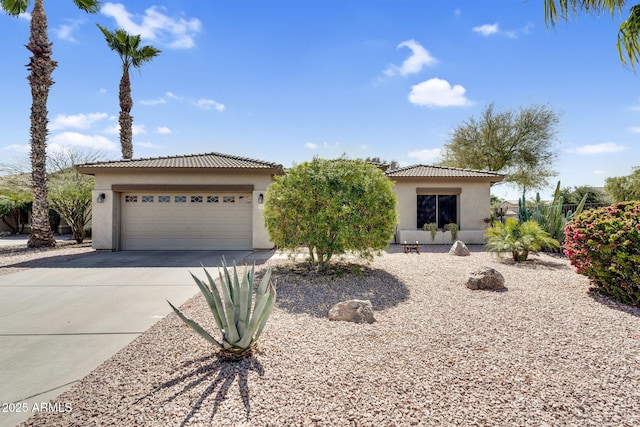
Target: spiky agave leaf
261 312
246 290
195 326
231 335
236 297
214 305
262 320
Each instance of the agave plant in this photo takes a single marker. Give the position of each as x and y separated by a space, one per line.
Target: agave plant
517 238
240 317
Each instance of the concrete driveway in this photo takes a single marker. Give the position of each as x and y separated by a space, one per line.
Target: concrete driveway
59 323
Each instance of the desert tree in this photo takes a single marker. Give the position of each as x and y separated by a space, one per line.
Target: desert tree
519 144
624 188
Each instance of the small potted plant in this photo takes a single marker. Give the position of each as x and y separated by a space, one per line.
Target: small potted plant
432 228
453 229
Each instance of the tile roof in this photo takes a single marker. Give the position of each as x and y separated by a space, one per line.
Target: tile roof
427 171
206 160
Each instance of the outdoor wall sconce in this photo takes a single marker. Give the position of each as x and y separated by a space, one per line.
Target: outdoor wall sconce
260 198
101 198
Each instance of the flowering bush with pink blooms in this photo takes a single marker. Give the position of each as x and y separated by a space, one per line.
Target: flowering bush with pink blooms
604 245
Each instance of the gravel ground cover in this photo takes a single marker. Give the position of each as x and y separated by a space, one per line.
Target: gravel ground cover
547 352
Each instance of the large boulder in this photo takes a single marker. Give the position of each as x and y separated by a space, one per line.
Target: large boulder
486 278
459 249
355 310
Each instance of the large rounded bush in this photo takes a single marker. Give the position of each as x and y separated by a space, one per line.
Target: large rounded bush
604 245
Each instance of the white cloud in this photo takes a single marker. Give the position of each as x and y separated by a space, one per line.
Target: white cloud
163 130
206 104
26 16
635 129
138 129
438 93
413 64
492 29
76 121
427 155
102 91
18 148
65 31
135 129
599 172
203 103
157 101
311 145
486 29
457 12
156 26
76 139
591 149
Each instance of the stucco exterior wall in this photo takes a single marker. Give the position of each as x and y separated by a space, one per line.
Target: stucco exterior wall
473 206
106 221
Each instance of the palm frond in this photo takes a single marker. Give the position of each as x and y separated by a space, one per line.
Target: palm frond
89 6
15 7
628 46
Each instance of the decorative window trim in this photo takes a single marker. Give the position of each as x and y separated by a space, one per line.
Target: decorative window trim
129 198
196 199
179 199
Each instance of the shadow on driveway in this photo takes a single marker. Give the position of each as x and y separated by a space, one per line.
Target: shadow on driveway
132 259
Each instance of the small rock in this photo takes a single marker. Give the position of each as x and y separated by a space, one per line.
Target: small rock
486 278
355 310
459 249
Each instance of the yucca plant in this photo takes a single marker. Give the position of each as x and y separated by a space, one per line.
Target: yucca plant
518 239
240 317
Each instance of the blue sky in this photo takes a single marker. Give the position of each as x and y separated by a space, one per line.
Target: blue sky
287 80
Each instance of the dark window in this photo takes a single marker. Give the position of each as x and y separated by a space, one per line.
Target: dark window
441 209
426 210
447 210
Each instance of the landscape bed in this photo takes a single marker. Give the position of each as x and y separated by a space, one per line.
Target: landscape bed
545 352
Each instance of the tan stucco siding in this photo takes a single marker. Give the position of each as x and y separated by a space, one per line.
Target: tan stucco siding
473 207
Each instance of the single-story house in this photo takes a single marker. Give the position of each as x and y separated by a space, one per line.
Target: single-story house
215 201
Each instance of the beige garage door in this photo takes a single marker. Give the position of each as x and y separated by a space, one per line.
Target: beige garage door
186 221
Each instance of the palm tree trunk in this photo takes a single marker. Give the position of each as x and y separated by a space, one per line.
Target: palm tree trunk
125 120
41 67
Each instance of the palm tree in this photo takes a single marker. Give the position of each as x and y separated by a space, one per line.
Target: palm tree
128 48
628 45
41 67
518 238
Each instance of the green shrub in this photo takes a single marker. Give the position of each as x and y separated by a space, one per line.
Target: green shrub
604 245
518 238
331 207
239 323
